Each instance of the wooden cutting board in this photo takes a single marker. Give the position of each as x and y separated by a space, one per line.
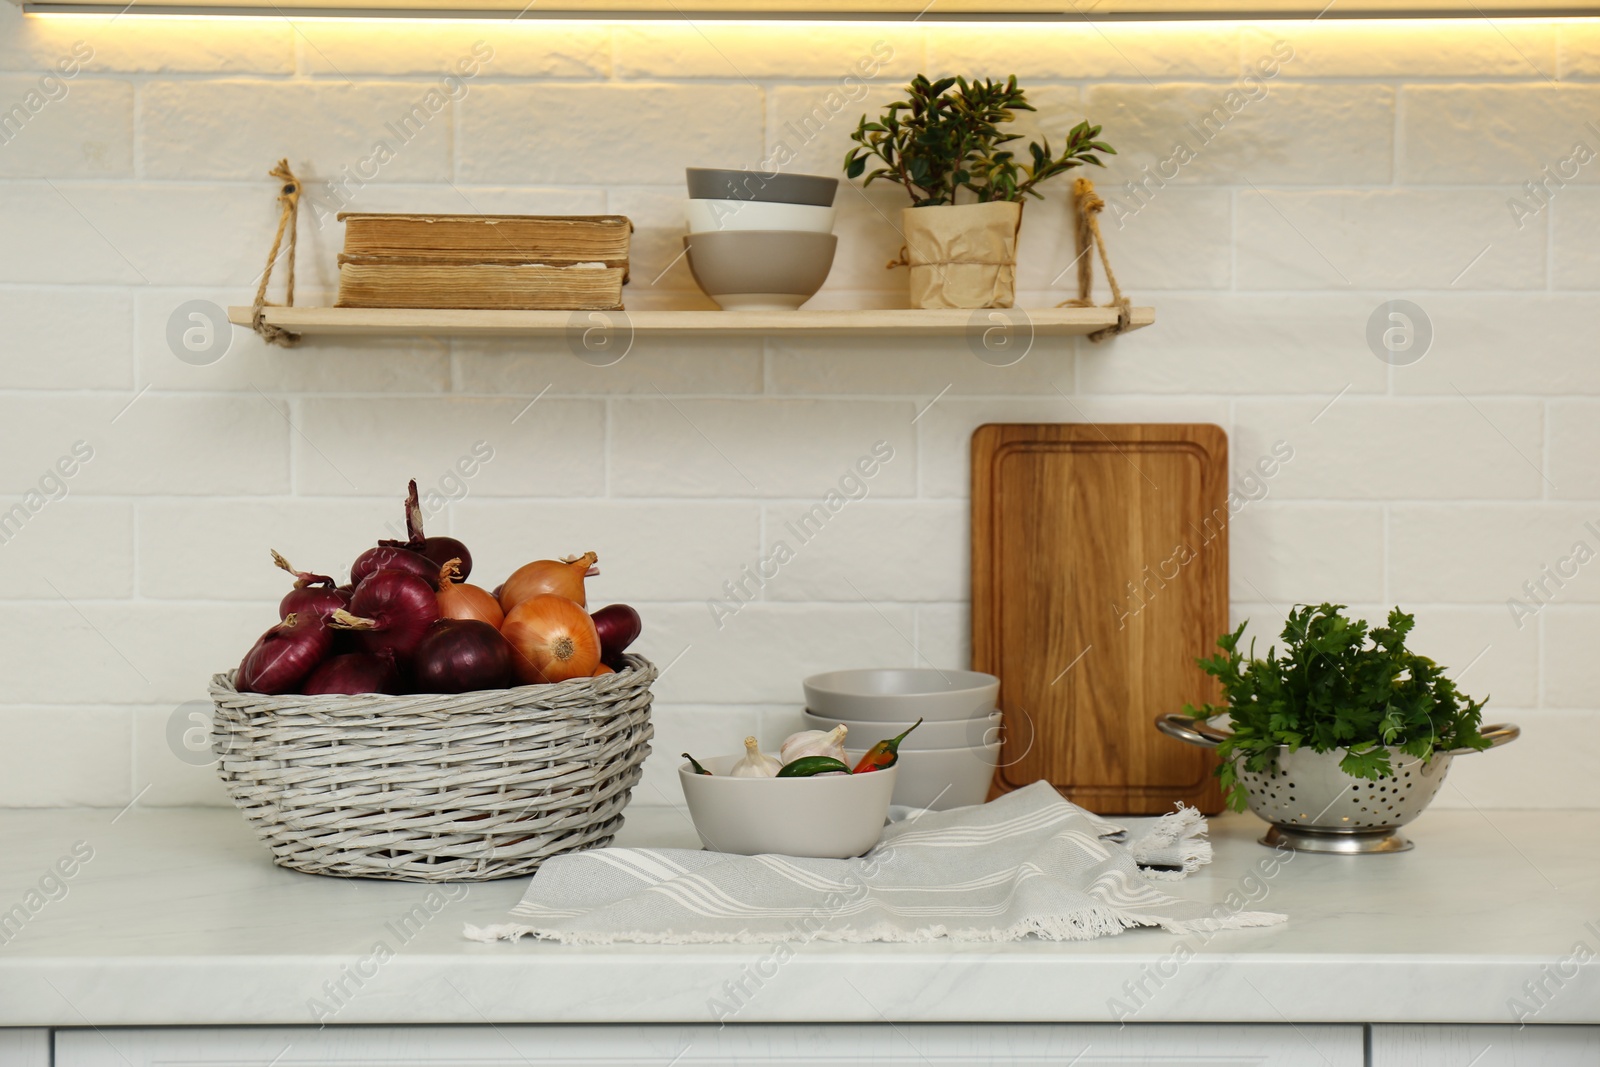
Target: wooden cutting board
1099 574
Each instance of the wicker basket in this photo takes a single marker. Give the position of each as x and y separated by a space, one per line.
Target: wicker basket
435 788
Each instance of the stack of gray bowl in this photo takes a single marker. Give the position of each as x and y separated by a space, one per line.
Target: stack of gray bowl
760 242
947 761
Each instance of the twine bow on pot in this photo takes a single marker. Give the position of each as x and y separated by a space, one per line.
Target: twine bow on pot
288 220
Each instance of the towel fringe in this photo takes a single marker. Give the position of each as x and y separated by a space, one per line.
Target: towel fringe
1183 831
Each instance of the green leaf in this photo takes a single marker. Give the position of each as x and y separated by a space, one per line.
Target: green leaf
947 136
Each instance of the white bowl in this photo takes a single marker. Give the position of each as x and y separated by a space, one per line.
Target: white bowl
706 216
898 694
829 818
957 733
943 778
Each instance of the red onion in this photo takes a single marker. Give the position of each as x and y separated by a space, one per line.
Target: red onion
393 558
390 612
413 506
313 594
316 603
283 656
442 550
618 626
461 655
354 673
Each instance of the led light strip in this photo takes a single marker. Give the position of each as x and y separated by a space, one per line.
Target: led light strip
890 11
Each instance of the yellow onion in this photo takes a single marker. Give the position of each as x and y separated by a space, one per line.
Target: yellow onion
458 600
557 576
552 639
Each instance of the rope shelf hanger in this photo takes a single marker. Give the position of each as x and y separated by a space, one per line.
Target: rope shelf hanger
288 222
1086 236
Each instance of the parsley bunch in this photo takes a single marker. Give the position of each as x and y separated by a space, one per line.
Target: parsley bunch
1336 686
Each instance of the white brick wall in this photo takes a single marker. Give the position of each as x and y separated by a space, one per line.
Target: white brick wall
1373 165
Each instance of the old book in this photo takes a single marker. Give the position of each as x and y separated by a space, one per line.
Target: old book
364 283
486 260
490 238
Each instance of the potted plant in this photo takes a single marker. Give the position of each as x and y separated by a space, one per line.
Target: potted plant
1341 739
944 145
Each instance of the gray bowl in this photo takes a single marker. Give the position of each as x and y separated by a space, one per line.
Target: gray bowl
760 270
943 778
830 817
900 694
711 183
955 733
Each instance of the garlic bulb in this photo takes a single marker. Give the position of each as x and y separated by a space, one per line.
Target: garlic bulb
755 764
815 743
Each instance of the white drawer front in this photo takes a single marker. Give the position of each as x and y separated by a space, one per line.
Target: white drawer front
24 1048
967 1045
1485 1046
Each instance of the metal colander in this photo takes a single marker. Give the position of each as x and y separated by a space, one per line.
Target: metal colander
1316 807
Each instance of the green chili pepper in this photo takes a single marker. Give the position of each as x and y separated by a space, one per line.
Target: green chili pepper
808 766
696 765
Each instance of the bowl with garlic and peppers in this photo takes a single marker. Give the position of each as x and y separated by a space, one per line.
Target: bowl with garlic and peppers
811 799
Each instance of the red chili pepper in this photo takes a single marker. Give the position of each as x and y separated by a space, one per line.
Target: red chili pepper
884 754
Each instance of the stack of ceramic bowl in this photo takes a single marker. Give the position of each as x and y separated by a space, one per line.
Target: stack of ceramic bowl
760 242
946 762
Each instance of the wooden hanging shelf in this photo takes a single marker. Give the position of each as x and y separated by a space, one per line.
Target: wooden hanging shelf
1046 322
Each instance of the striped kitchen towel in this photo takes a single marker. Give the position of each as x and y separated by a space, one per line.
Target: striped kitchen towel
1028 863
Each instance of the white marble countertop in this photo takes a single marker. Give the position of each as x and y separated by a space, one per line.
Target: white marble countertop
181 918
